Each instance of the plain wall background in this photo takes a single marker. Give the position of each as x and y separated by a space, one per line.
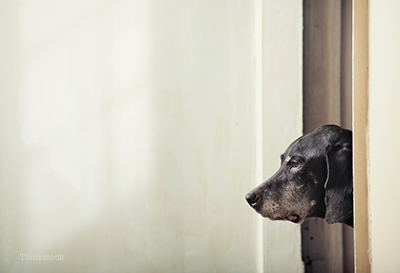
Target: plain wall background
384 134
376 133
130 132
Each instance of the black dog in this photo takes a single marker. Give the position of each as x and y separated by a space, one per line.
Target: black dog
315 180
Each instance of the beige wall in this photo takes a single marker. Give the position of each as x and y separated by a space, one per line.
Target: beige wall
384 134
281 118
131 131
377 131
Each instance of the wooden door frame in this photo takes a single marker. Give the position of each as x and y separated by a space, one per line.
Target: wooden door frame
360 131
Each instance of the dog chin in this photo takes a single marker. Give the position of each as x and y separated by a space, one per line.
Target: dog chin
294 218
298 220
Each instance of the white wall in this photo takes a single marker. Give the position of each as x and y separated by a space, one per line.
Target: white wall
384 134
282 118
129 128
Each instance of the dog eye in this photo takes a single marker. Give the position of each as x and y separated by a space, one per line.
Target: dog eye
294 164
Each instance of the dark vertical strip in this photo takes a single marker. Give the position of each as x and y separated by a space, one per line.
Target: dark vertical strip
326 99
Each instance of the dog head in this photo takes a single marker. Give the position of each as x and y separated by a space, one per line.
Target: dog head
314 180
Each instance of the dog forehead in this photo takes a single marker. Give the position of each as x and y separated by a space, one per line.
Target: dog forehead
307 145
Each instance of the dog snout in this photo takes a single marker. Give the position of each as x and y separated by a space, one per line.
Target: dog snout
252 198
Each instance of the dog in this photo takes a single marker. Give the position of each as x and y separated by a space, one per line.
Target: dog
315 179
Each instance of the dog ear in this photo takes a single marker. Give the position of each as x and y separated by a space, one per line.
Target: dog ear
339 184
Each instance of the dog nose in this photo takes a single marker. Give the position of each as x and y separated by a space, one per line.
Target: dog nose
252 198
